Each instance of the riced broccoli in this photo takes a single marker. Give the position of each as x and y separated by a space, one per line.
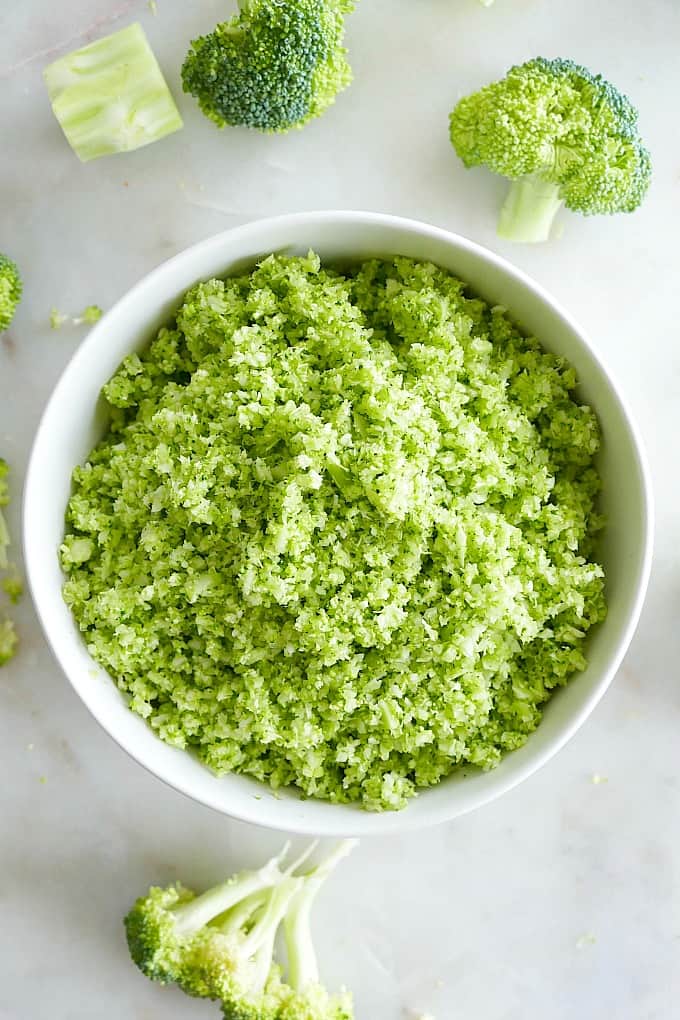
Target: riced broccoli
10 291
111 96
562 135
339 532
221 945
274 66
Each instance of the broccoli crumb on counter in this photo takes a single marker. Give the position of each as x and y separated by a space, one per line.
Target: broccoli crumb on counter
10 291
11 585
88 316
221 944
339 534
274 66
563 136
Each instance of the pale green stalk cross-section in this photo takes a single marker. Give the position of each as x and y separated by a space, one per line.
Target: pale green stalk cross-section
111 96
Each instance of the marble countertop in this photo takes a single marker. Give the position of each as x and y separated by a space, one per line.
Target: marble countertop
562 899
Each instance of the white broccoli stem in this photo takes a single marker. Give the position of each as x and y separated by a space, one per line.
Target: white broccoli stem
303 969
239 916
263 963
267 924
190 917
299 861
529 210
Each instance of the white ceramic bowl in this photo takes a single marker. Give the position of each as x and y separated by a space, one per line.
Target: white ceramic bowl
74 419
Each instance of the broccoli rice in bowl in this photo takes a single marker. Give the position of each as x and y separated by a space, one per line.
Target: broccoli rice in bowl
339 533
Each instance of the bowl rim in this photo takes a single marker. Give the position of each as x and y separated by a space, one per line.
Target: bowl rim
363 822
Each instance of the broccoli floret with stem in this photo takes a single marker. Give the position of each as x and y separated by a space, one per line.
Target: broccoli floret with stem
274 66
562 135
166 927
111 96
221 945
10 291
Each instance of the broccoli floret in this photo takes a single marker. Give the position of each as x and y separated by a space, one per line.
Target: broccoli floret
168 927
10 291
274 66
562 135
221 945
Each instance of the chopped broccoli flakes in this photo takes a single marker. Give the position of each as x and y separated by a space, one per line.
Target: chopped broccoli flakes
338 534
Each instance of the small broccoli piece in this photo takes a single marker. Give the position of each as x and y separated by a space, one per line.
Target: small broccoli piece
111 96
4 500
89 315
167 930
562 135
8 636
10 291
274 66
13 587
8 641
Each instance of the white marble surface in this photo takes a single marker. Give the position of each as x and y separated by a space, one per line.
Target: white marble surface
491 917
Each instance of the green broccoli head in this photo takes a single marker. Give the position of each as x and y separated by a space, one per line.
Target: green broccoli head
276 65
10 291
154 940
562 135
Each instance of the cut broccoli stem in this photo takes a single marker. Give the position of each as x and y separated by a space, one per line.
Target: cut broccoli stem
529 210
303 969
190 917
111 96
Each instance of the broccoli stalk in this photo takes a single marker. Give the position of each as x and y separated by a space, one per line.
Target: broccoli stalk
529 210
562 136
303 969
111 96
